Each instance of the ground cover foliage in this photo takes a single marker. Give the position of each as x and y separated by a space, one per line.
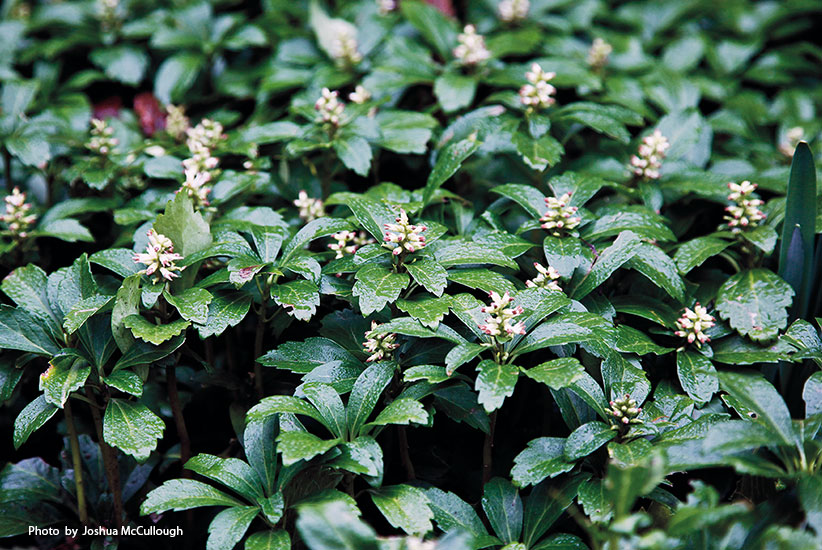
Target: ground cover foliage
396 275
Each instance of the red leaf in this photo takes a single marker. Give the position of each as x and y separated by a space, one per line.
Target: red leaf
109 107
152 117
445 6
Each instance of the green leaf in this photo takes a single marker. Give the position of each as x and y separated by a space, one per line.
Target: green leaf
175 76
600 118
482 279
260 449
639 220
557 373
624 484
427 310
283 404
21 331
126 303
448 162
461 354
755 303
269 540
404 507
693 253
812 394
437 29
231 472
610 259
297 446
225 310
697 375
132 428
586 439
553 332
332 526
528 197
503 508
306 356
365 394
187 230
184 494
122 63
300 298
17 96
562 253
405 131
796 248
377 286
83 310
66 373
192 304
126 381
454 91
401 411
594 500
755 394
154 334
540 153
229 526
810 495
355 154
763 237
31 418
451 512
428 274
546 504
494 383
329 405
544 457
456 252
321 227
659 268
27 287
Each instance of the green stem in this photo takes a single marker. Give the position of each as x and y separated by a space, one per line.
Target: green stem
76 464
405 455
488 449
109 461
179 419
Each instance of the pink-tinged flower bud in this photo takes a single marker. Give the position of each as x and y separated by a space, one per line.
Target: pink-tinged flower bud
159 257
380 346
651 152
471 49
692 324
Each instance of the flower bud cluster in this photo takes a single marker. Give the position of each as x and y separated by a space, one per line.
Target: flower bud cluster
177 123
692 324
745 214
501 320
101 141
380 346
344 47
329 107
625 410
547 277
107 11
200 167
651 152
407 237
310 208
538 93
471 49
386 6
360 95
159 257
348 242
560 216
17 217
598 54
512 11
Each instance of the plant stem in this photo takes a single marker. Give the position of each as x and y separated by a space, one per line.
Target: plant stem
109 460
76 464
488 448
179 420
405 456
258 351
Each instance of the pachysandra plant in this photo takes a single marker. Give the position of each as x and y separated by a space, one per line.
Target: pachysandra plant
410 275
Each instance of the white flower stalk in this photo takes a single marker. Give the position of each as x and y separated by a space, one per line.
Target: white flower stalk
159 257
651 152
792 139
208 133
471 49
360 95
745 214
501 323
177 123
17 217
329 107
406 236
380 346
310 208
625 410
547 277
196 187
538 93
348 242
693 323
101 141
386 6
559 217
598 54
344 47
513 11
